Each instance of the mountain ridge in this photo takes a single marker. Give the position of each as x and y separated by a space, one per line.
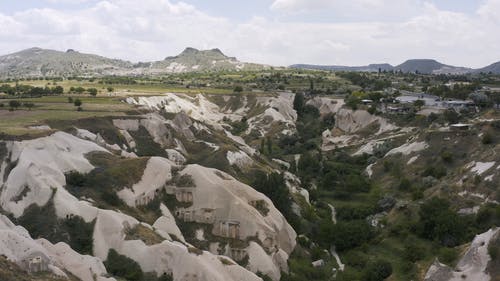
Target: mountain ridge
39 62
425 66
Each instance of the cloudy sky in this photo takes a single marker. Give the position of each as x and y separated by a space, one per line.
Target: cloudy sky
277 32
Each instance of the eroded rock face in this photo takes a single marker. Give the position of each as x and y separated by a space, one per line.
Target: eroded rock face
33 255
41 166
472 266
351 121
326 105
156 174
233 202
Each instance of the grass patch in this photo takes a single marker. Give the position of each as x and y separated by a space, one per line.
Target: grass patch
147 235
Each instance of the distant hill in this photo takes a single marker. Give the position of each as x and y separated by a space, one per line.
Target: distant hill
429 66
367 68
426 66
37 62
493 68
201 60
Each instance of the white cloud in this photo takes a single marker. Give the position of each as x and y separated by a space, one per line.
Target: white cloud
155 29
355 9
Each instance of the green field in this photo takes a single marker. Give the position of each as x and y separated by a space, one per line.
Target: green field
17 122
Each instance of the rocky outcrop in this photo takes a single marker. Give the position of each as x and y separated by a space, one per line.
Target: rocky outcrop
471 267
33 255
350 121
326 105
41 165
233 201
39 176
156 174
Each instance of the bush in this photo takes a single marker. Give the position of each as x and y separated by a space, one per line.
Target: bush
438 222
81 234
122 266
345 235
75 178
447 255
404 184
437 172
377 271
447 156
42 222
494 249
451 116
487 138
412 251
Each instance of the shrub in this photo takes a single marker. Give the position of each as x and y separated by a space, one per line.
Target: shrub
412 251
447 255
439 222
184 181
437 171
404 184
345 235
80 234
494 248
122 266
377 271
487 138
447 156
75 178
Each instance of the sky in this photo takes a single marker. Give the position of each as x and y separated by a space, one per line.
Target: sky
275 32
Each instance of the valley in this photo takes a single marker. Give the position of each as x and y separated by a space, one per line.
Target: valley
274 174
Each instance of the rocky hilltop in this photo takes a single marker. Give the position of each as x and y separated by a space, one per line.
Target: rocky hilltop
37 62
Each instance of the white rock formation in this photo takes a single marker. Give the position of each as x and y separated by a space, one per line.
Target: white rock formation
279 109
480 168
175 156
471 267
156 174
166 226
41 164
199 107
231 201
351 121
86 268
16 244
239 158
409 148
326 105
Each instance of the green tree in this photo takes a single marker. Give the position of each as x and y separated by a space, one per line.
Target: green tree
273 186
438 222
298 103
345 235
58 90
92 91
238 89
29 105
77 102
14 104
269 145
378 270
122 266
451 116
418 104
